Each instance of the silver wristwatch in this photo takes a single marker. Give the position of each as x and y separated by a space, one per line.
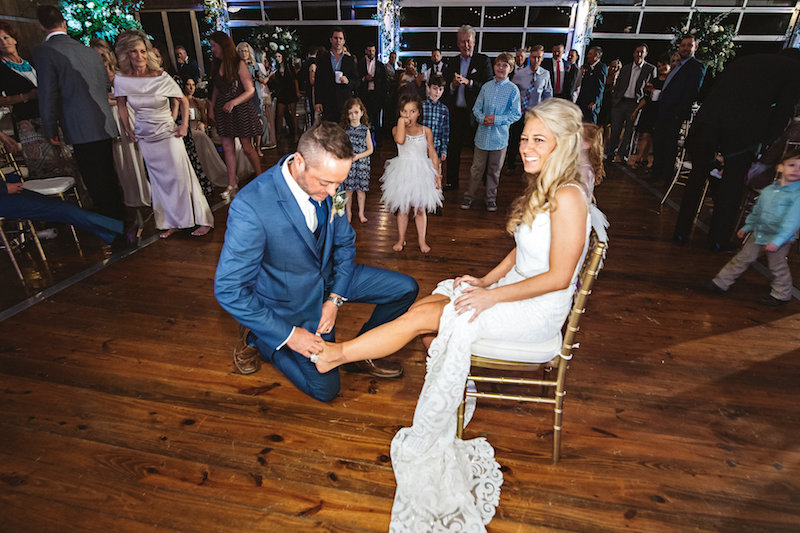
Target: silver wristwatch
337 300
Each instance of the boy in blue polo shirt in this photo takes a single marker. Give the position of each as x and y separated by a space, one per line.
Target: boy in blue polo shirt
773 226
497 107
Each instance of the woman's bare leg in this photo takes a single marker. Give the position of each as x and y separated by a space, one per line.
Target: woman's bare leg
421 319
229 151
250 152
349 205
402 226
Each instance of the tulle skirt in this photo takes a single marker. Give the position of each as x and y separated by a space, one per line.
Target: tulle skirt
409 184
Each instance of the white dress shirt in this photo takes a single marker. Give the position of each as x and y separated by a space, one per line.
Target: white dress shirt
301 197
636 70
371 72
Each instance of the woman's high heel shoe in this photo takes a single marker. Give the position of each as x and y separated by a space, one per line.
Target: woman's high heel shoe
229 193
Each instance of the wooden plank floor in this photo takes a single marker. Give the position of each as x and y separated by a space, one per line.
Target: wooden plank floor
121 410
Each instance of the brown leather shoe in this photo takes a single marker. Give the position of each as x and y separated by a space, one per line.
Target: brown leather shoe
379 368
245 358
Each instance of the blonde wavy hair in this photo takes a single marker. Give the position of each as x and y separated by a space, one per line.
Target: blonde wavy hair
251 60
125 43
562 165
109 59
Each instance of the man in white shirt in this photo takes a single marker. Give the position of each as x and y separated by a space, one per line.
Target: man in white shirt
534 87
373 84
628 91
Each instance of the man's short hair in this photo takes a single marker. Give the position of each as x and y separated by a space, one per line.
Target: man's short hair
181 47
436 50
335 29
576 52
689 36
526 50
598 51
537 48
466 28
643 45
369 45
437 79
324 138
49 17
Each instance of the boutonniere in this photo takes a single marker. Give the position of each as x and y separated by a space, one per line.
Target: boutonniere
474 71
339 204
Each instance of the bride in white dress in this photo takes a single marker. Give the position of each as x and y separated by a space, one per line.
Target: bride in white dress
445 483
177 199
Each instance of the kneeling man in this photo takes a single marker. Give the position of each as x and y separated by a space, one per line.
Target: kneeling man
287 265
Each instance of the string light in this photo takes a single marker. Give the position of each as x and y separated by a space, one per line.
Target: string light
493 17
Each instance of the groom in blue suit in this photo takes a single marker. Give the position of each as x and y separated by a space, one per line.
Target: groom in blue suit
287 265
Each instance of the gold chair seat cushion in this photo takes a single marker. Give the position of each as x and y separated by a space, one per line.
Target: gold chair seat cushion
50 186
522 352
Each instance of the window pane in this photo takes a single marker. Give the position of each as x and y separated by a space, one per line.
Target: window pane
771 3
549 17
457 16
620 2
669 2
721 3
419 42
181 29
765 24
151 22
661 22
618 22
504 16
246 13
357 9
420 16
501 42
548 40
319 9
281 10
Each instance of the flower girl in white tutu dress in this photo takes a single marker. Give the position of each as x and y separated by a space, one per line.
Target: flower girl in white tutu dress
411 181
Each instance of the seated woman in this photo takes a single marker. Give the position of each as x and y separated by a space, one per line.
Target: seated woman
442 480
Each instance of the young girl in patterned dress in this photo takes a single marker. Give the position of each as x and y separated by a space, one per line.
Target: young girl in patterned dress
356 123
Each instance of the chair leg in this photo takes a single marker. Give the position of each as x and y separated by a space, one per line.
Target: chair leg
702 200
11 253
71 227
37 241
460 416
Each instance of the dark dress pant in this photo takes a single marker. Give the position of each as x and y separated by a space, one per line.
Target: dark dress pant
96 163
462 132
392 292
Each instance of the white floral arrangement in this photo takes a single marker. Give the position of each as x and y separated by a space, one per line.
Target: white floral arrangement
339 203
715 41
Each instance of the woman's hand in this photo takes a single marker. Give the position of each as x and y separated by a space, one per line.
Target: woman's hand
469 280
475 299
228 107
181 130
131 135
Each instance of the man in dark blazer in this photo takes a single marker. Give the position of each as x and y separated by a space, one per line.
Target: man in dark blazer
373 85
73 93
628 91
750 104
563 74
287 265
187 67
465 74
675 105
593 82
333 86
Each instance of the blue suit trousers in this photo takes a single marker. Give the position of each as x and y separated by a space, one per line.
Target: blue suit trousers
392 292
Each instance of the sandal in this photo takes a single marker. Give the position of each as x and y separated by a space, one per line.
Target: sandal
201 230
229 192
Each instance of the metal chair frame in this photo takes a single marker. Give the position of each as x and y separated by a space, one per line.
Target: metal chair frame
553 390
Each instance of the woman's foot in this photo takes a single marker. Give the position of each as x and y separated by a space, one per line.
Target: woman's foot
229 192
167 234
330 357
398 246
424 248
202 230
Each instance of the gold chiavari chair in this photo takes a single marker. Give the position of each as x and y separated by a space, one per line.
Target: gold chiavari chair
518 357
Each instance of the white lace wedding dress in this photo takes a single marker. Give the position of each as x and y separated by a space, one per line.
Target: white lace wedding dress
445 483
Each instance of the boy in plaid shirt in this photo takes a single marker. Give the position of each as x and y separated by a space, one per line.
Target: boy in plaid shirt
436 116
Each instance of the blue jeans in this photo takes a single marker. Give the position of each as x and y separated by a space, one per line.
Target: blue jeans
392 292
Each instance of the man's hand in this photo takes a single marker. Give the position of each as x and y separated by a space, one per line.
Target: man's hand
772 247
442 158
318 108
488 120
740 234
328 318
343 80
304 342
54 141
592 105
369 77
14 188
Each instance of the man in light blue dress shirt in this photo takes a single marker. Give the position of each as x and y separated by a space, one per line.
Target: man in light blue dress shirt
534 86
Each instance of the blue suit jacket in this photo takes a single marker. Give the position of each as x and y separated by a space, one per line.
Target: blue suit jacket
677 97
272 275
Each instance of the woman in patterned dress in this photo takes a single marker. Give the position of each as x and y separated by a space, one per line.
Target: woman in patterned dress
232 107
